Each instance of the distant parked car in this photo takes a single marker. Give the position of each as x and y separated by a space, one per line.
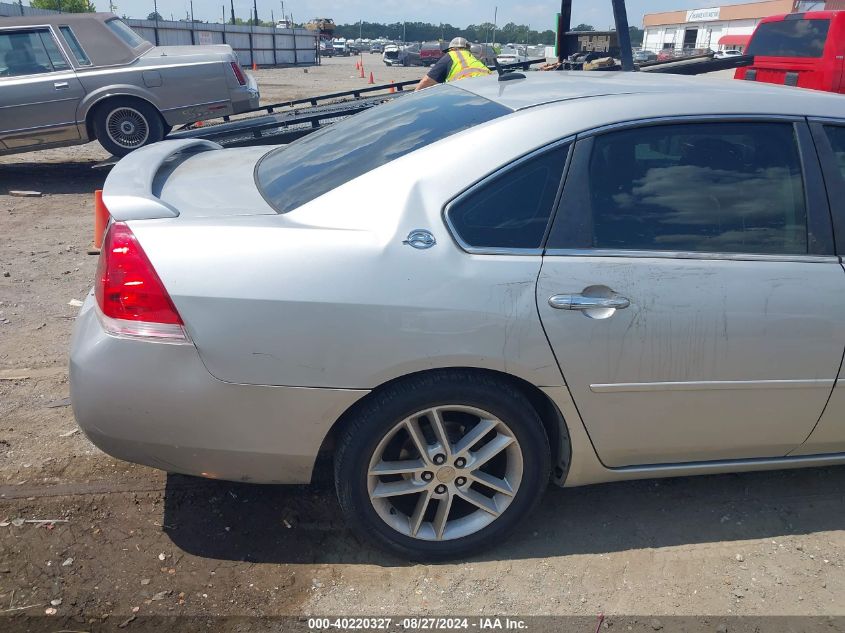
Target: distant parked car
512 55
390 55
377 47
484 53
727 54
401 56
341 48
643 57
67 79
430 52
326 48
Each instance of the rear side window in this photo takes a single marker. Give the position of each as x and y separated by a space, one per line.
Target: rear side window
709 187
317 163
790 38
29 53
511 210
75 47
836 135
129 37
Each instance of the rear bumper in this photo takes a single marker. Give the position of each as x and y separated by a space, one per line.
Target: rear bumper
247 97
156 404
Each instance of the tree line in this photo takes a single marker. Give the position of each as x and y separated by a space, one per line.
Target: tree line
426 32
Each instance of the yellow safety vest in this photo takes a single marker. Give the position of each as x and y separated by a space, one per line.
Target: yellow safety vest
464 64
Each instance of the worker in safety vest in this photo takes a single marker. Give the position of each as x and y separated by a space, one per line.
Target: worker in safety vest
457 63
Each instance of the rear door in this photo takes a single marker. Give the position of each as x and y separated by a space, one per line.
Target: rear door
39 91
690 290
829 434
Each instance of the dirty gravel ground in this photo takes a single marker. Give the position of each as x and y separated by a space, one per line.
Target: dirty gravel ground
135 538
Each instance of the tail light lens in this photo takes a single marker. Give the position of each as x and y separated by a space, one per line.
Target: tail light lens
239 74
132 300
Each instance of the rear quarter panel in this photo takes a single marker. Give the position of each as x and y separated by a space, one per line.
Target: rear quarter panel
328 295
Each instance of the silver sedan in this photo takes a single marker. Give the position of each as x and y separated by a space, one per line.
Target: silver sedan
475 289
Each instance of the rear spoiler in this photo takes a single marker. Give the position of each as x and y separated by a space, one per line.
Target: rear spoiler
128 192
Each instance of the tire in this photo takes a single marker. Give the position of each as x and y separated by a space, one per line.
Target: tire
467 403
123 125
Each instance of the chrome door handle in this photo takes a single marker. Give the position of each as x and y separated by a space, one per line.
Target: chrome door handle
580 302
61 85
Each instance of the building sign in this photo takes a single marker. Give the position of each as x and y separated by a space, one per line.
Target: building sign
205 38
703 15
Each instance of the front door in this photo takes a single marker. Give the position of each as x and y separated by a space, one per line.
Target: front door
690 292
39 91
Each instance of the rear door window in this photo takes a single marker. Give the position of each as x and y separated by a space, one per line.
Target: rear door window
29 52
789 38
75 47
511 209
700 187
836 136
319 162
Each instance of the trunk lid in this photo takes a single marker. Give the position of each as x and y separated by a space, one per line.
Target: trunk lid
187 178
223 51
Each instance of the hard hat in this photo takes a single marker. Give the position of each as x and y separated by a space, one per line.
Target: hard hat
459 42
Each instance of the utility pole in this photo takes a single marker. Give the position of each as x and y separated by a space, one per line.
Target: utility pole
403 33
360 27
623 33
564 25
255 10
155 10
20 4
232 7
192 11
495 17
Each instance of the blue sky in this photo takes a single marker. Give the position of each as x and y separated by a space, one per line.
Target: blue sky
539 14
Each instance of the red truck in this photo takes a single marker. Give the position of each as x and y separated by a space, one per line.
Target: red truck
799 49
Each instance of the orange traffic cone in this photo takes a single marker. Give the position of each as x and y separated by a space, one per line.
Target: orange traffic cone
101 221
392 89
254 66
357 64
362 71
371 81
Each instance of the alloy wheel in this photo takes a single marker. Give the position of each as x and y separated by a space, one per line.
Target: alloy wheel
445 473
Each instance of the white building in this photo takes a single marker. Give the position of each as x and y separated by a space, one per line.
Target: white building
715 28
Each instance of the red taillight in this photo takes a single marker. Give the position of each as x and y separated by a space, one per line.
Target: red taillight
129 292
239 74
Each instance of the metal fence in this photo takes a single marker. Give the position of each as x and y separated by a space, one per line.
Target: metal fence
262 45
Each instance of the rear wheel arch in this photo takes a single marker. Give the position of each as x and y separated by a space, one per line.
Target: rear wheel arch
554 424
97 107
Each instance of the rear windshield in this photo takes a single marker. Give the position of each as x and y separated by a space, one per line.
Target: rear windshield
789 38
315 164
432 46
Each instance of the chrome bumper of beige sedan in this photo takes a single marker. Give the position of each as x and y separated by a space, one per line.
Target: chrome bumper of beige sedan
156 404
